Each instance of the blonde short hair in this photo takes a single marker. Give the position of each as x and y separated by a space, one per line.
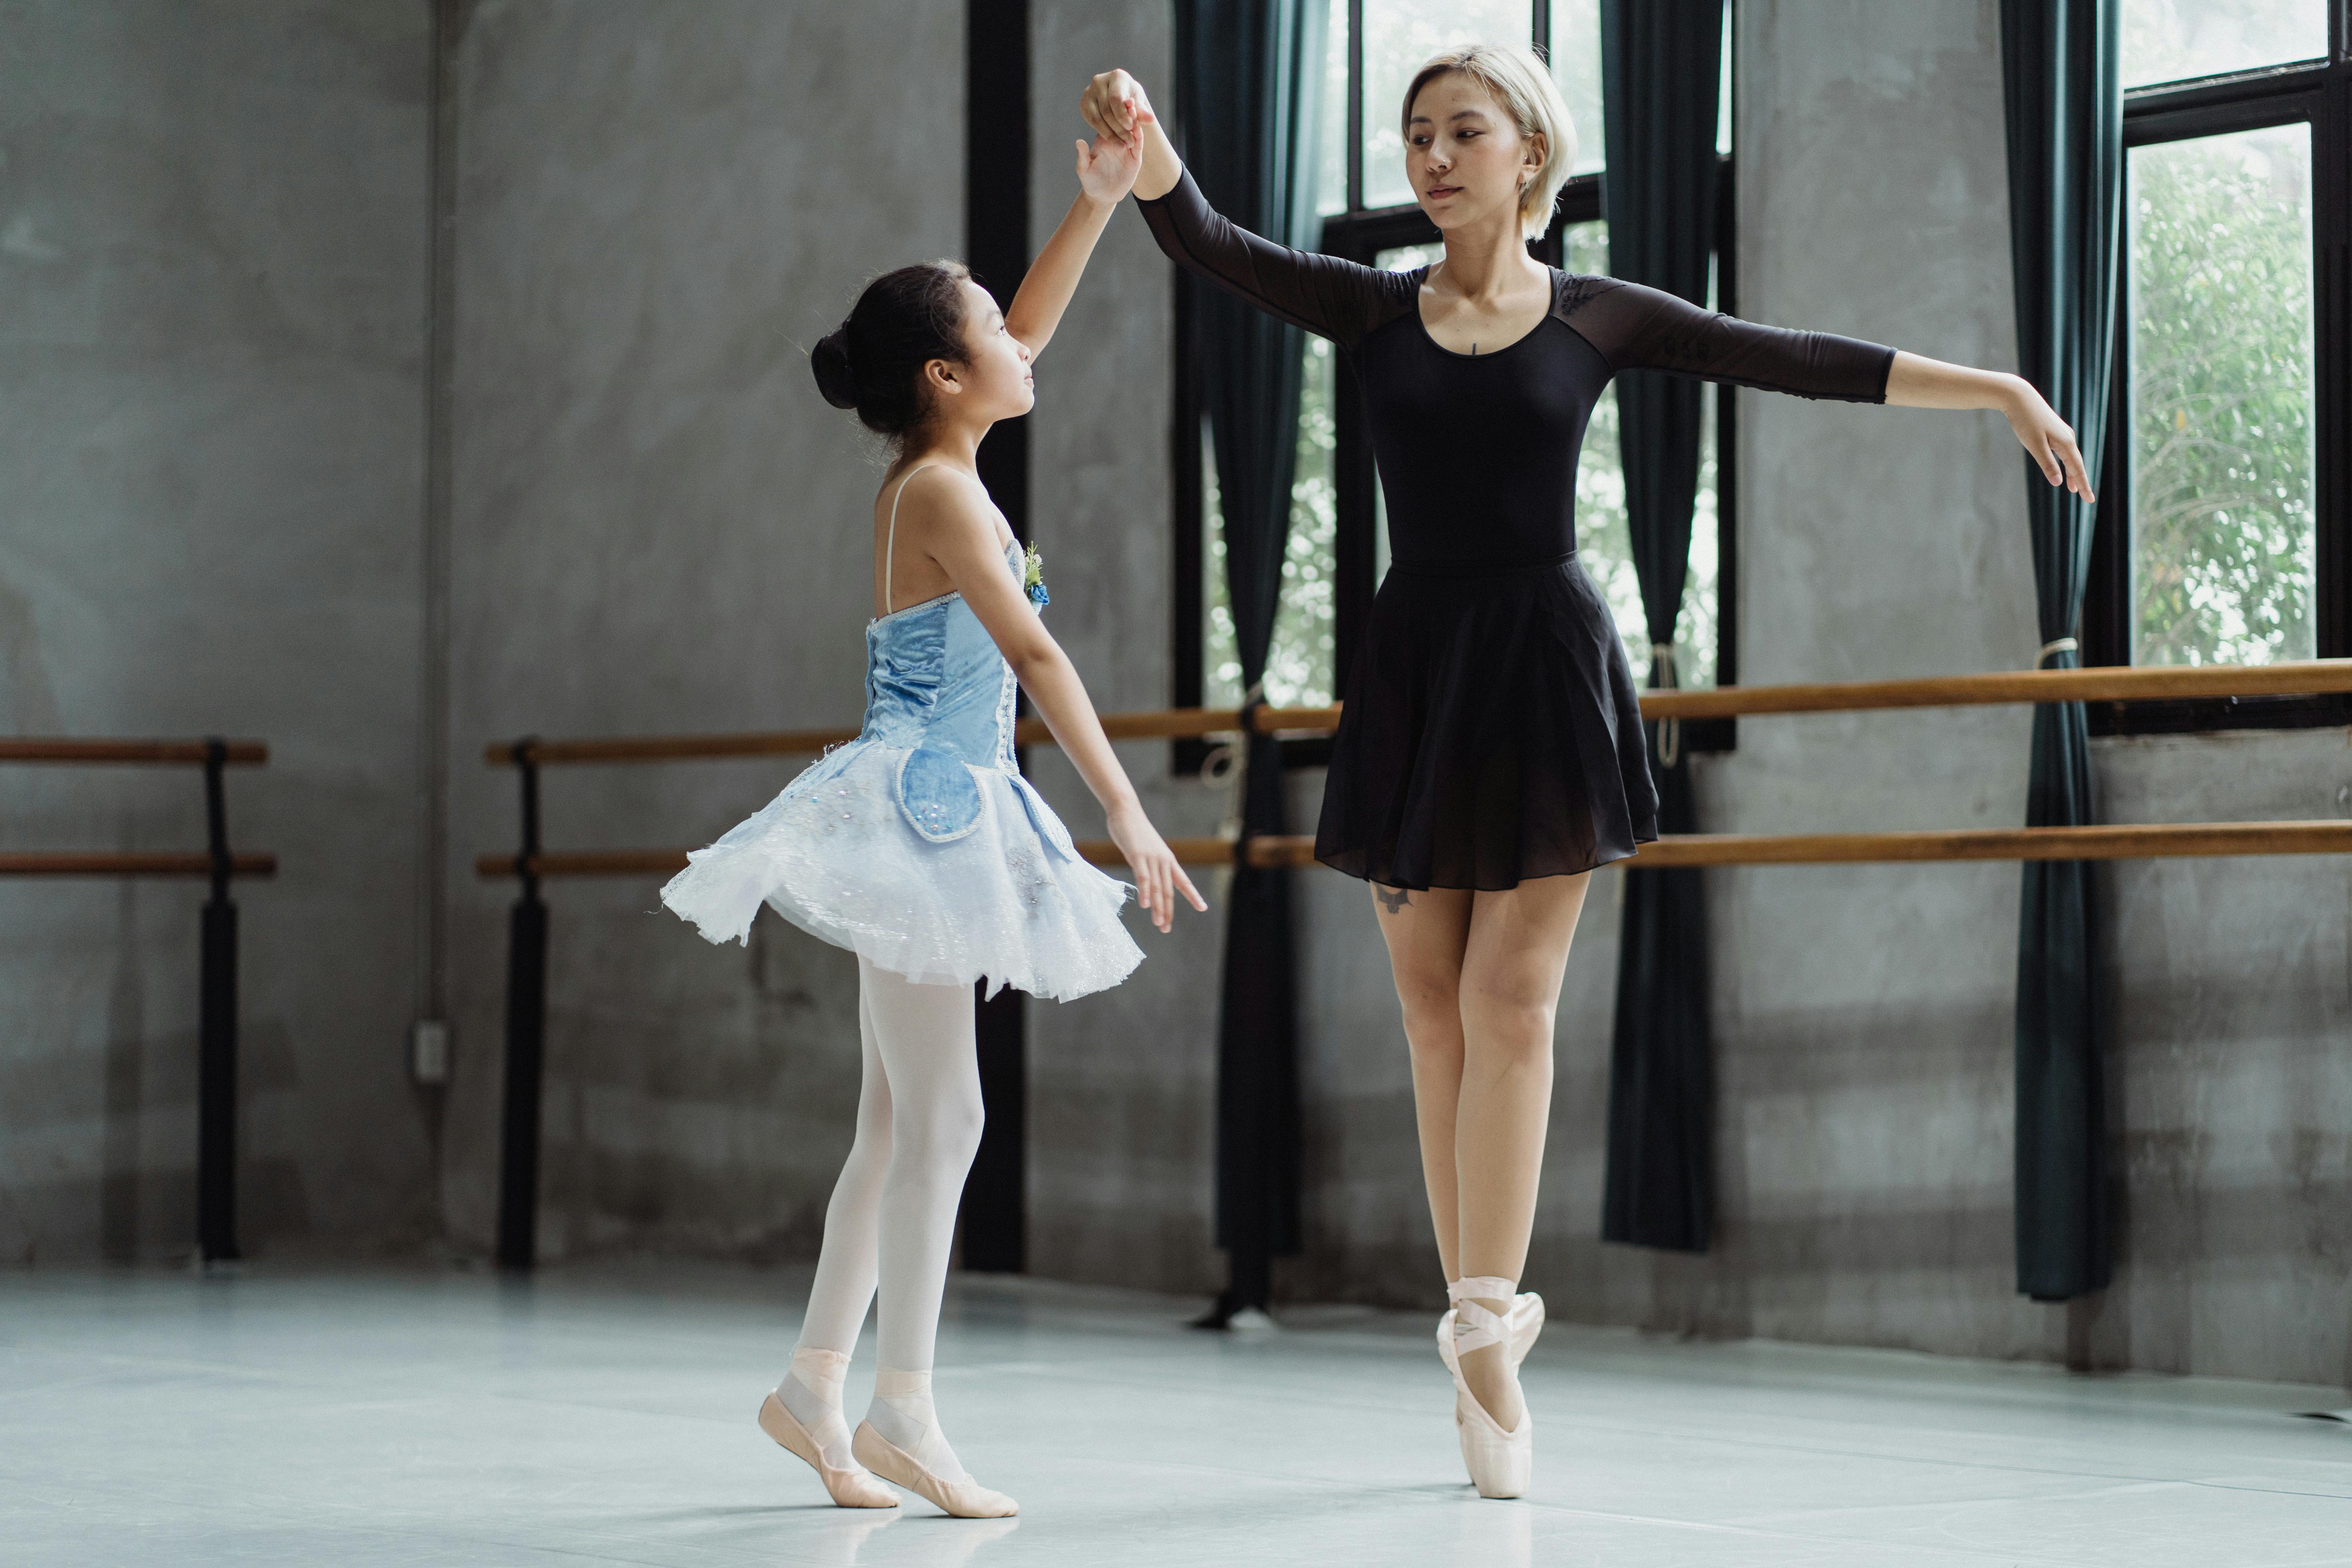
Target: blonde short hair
1522 85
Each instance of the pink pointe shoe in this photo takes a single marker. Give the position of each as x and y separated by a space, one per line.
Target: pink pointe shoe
850 1487
1499 1462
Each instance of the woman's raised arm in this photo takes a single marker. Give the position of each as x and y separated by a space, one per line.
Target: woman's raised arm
1333 298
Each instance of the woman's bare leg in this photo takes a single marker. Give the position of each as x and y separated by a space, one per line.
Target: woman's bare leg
1427 934
1512 963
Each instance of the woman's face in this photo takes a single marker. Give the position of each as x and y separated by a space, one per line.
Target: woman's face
1464 155
993 383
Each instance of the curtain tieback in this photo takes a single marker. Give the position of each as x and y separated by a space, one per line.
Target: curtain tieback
1664 676
2054 646
1238 774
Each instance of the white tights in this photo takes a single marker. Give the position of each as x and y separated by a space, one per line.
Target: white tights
891 1221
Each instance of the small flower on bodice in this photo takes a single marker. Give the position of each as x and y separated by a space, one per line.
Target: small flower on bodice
1033 579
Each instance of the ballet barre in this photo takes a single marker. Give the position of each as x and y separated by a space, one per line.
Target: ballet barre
2104 842
2152 841
2314 676
527 939
216 998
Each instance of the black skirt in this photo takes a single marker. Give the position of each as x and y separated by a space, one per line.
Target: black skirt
1491 733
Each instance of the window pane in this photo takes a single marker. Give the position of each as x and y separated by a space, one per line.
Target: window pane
1723 91
1332 152
1399 37
1603 537
2223 547
1221 659
2167 40
1576 66
1299 664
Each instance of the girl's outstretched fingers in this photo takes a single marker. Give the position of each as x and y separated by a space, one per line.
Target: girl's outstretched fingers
1191 893
1158 876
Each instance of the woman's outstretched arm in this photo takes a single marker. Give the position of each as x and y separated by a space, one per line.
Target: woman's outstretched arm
1639 328
1916 381
1106 174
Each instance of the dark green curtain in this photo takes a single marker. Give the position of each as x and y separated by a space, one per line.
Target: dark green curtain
1247 109
1662 64
2064 103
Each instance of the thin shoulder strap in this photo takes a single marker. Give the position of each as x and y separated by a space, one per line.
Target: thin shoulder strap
890 539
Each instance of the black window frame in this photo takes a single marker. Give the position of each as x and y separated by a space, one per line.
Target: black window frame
2319 94
1361 234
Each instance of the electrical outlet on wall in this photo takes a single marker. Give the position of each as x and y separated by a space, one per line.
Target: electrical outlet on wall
428 1051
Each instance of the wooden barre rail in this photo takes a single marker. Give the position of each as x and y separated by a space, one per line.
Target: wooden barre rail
77 863
65 749
2296 678
2109 842
2106 842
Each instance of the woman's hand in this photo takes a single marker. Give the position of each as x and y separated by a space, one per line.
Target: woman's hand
1914 381
2047 440
1158 876
1113 106
1106 169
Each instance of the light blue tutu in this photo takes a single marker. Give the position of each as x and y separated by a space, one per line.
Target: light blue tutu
919 844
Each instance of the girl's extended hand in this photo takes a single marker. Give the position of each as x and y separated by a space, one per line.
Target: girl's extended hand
1158 876
1106 169
2047 440
1114 105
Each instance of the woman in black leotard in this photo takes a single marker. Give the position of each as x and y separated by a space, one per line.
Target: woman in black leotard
1490 752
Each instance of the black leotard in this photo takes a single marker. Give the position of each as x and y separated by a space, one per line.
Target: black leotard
1491 732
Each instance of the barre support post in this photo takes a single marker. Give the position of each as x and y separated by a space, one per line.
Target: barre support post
526 1038
216 1034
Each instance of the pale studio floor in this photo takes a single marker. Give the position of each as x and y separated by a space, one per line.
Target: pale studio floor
603 1415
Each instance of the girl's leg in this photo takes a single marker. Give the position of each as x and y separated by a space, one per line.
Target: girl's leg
924 1035
845 1265
1427 934
1510 977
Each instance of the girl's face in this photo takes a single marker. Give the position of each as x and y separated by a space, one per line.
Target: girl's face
1464 155
993 382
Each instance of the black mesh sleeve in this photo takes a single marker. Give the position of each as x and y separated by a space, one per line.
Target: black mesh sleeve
1332 298
1637 328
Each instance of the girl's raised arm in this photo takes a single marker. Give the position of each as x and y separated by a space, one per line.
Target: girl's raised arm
1106 174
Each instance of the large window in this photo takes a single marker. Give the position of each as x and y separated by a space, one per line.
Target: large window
1338 546
2221 536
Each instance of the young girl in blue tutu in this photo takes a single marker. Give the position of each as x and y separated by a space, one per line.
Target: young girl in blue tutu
921 847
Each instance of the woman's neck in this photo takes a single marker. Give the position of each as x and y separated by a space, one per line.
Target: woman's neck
1484 260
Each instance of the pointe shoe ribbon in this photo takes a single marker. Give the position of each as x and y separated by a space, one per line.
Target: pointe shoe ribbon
849 1488
1525 1320
1499 1462
964 1500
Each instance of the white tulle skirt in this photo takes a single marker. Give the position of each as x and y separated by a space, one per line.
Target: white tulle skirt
1008 899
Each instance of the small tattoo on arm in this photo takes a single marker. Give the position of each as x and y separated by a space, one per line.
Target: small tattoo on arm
1392 901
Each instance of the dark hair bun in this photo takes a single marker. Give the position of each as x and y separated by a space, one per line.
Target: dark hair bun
834 377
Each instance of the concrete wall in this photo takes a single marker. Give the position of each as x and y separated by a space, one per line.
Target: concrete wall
213 280
659 526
